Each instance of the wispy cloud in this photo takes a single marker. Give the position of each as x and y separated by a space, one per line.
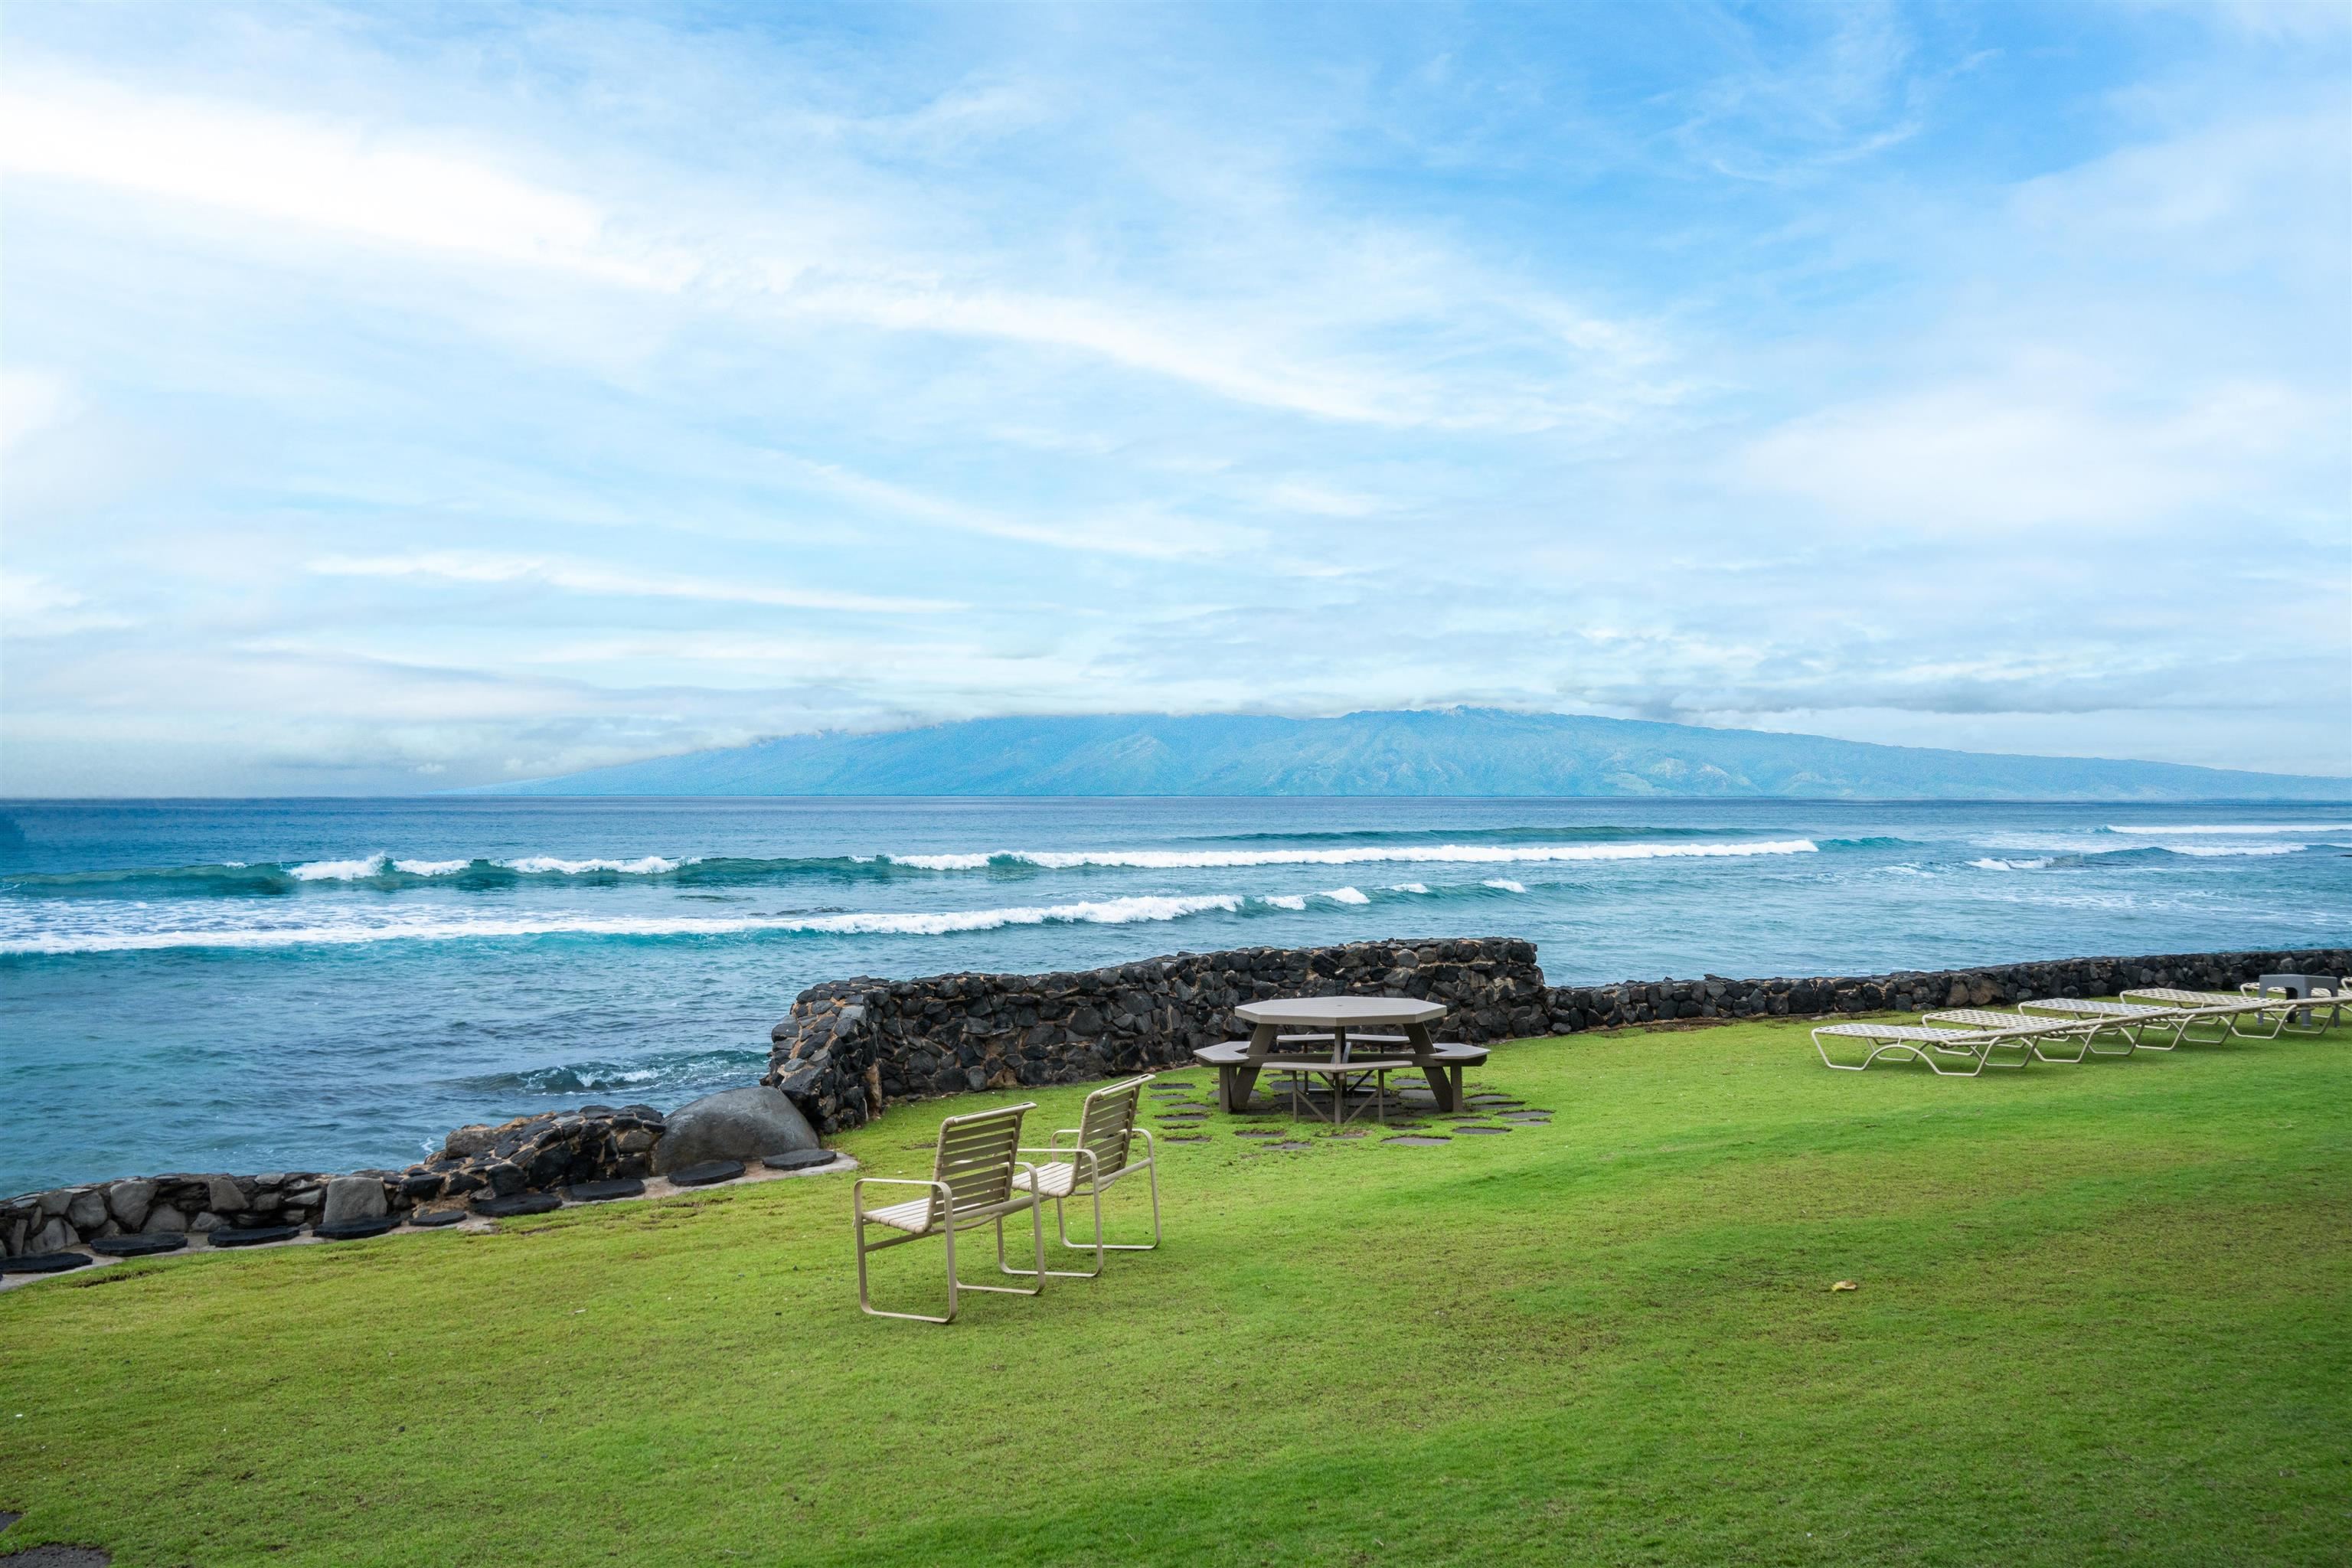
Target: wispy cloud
588 577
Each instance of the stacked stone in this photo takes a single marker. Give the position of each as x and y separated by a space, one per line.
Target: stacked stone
849 1046
152 1205
1574 1008
535 1153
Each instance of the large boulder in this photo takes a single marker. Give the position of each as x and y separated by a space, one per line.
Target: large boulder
737 1124
352 1198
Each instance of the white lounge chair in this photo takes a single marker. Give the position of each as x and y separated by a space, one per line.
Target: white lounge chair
2219 1008
2124 1020
2042 1033
1976 1046
1100 1152
975 1179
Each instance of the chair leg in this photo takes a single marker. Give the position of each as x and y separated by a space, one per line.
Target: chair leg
864 1296
1037 1224
1151 1175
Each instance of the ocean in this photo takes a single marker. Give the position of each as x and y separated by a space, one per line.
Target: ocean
328 984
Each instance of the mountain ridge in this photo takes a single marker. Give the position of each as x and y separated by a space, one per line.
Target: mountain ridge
1480 751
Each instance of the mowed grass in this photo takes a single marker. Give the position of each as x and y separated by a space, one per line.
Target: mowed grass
2104 1316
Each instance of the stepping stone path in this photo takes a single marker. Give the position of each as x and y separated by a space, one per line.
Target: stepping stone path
605 1192
802 1160
259 1236
707 1173
1476 1129
1257 1132
1290 1143
1416 1140
355 1230
45 1263
137 1246
1527 1118
1186 1138
518 1204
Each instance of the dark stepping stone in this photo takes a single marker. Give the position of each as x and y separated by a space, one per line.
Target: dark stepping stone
707 1173
137 1246
1482 1130
59 1557
802 1159
1186 1138
259 1236
45 1263
605 1192
518 1204
1257 1132
1415 1141
1525 1118
355 1229
1290 1143
8 1518
434 1219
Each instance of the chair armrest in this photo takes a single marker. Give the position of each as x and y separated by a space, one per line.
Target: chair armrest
1079 1151
1151 1144
857 1188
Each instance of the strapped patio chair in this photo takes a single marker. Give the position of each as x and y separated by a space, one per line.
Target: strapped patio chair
1101 1152
2126 1021
2042 1033
2231 1013
1926 1045
975 1179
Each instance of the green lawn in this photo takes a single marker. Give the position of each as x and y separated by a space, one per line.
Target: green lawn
2104 1316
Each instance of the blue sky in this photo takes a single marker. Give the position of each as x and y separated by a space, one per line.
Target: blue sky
408 396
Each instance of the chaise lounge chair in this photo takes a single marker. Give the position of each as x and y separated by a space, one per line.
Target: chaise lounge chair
2218 1007
2325 992
1927 1044
1101 1152
975 1179
2040 1034
2126 1020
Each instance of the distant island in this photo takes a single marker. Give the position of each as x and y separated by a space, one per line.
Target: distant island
1440 751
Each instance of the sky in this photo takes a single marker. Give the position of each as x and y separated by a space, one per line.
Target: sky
403 397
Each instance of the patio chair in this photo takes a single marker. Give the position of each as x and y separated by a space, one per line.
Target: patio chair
975 1180
2127 1021
1924 1044
2039 1033
2229 1013
1100 1153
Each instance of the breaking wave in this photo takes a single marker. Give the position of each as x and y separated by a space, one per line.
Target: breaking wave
1457 854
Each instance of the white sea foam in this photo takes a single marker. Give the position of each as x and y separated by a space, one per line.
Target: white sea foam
1286 900
1408 886
431 867
1459 854
1999 865
1505 884
2235 827
1347 895
338 870
644 866
372 926
2223 849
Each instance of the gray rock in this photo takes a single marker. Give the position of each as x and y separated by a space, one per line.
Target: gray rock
469 1139
225 1197
53 1204
206 1221
87 1209
130 1201
353 1198
53 1237
737 1124
164 1220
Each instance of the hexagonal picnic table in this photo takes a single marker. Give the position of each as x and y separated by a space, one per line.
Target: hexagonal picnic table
1335 1019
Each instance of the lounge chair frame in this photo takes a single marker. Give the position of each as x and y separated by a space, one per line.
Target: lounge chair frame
1100 1153
2317 993
2228 1013
976 1180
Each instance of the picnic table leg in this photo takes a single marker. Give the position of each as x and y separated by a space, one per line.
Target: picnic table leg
1445 1082
1243 1081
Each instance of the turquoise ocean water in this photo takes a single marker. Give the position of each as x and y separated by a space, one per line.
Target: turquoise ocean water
252 986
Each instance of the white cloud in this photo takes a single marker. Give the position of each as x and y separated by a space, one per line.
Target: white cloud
588 577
